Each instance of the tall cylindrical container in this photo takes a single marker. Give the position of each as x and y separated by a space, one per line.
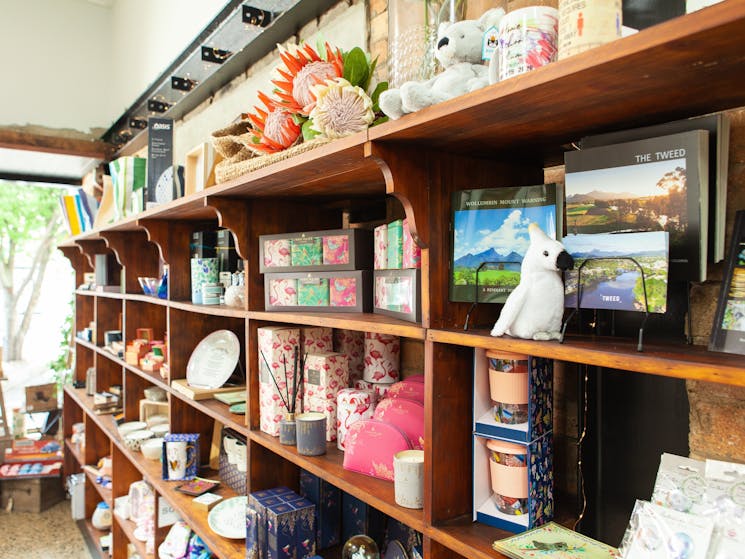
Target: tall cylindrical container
586 25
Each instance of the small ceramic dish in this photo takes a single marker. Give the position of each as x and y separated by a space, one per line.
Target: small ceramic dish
155 394
134 440
154 420
126 428
152 449
161 429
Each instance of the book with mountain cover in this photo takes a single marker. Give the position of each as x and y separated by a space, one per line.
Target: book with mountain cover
489 237
655 184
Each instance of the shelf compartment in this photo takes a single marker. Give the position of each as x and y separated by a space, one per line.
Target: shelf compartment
376 492
670 360
469 539
109 316
104 492
216 410
128 529
687 66
361 322
93 535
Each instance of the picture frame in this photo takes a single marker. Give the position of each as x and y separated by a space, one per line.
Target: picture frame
728 331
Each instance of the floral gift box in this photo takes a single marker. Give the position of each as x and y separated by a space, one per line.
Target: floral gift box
331 250
342 291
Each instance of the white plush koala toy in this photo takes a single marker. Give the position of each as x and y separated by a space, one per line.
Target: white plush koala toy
535 308
459 52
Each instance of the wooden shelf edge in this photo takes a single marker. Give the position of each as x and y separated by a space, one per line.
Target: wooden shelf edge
228 419
106 494
128 527
86 344
142 298
380 497
469 539
79 458
676 361
92 535
362 322
214 310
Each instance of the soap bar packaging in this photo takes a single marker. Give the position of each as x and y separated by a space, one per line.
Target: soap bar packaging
313 292
342 291
352 344
331 250
412 254
395 245
380 258
327 499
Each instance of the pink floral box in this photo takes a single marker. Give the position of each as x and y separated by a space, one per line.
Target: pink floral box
412 257
340 291
352 344
325 374
343 292
370 447
328 408
380 238
398 294
382 357
277 345
316 339
276 253
283 292
335 249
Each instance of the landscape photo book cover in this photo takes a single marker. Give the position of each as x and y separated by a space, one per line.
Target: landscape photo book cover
609 279
656 184
490 226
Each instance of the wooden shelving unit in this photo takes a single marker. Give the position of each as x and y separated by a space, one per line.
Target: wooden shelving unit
501 135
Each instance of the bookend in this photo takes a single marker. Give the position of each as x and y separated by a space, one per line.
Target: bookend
476 291
575 310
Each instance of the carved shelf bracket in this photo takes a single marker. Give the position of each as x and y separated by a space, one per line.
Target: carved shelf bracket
232 213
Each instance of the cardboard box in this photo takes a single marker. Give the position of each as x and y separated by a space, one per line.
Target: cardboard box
32 495
277 345
332 250
540 402
352 344
327 499
42 397
539 469
343 291
398 294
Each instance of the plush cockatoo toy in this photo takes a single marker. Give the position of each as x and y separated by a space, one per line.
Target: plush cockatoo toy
535 308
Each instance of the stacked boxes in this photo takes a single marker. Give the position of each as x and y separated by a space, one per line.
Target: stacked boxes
318 270
280 524
397 277
277 345
512 462
325 374
327 499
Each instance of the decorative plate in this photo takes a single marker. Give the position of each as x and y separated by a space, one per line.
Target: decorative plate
213 360
228 518
395 550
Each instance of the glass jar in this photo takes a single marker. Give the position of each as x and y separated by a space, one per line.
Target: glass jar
412 36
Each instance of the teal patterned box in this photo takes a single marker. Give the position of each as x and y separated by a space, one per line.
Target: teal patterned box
306 251
396 245
313 292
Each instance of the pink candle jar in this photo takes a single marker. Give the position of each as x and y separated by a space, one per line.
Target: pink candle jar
509 476
508 386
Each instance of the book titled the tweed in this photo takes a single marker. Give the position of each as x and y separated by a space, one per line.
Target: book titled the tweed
556 542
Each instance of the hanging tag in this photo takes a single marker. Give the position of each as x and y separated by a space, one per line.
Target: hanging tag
489 43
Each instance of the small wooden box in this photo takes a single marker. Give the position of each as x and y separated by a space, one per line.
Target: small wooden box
41 398
32 495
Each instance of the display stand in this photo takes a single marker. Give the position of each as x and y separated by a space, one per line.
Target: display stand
575 310
476 296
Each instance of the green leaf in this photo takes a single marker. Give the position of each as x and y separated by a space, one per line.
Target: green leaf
356 67
380 88
380 120
298 118
308 132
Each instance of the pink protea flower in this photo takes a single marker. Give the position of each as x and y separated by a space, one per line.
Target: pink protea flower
273 128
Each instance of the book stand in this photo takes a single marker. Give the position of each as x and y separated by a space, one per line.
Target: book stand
575 310
476 292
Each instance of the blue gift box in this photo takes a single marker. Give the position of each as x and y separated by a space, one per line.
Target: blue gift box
400 532
327 499
291 529
360 518
280 524
540 402
538 468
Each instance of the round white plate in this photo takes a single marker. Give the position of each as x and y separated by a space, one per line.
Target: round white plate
228 519
213 360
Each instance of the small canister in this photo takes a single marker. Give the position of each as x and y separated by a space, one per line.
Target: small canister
508 386
509 476
352 406
310 433
382 357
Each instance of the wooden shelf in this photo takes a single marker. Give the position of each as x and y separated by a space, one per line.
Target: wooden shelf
104 492
214 310
376 492
153 300
151 471
75 452
93 535
679 361
469 539
363 322
128 527
216 410
687 66
87 344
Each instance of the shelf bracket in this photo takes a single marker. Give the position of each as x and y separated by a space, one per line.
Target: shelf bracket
406 180
91 247
233 214
135 253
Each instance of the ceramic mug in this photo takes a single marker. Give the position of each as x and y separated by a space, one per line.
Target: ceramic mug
176 456
203 270
311 433
241 456
408 478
